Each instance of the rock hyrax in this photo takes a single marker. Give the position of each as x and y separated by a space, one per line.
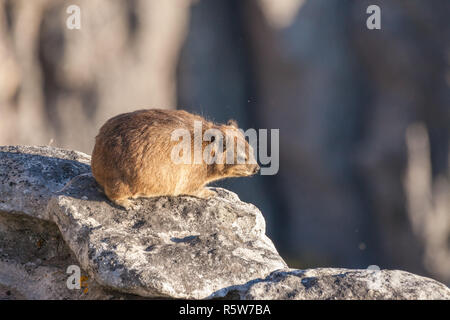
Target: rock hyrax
134 155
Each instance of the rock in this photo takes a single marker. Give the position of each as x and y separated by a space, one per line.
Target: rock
7 293
180 247
171 247
340 284
30 175
33 263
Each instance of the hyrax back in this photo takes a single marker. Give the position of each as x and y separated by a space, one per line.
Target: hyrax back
134 156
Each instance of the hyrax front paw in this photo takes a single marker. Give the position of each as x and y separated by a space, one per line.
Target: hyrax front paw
206 193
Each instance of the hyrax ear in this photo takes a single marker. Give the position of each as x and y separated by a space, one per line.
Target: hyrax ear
233 123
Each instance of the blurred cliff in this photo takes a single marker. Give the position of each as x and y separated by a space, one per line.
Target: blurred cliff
364 115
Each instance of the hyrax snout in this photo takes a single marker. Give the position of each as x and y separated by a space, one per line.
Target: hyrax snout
150 153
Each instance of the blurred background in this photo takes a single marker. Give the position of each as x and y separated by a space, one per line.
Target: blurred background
364 115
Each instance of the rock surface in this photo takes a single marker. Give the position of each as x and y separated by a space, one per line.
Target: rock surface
29 176
34 259
170 247
181 247
340 284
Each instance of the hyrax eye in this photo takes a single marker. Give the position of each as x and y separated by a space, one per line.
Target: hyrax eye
213 138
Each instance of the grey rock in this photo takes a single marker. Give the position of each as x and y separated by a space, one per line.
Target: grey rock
33 263
29 175
340 284
7 293
177 247
180 247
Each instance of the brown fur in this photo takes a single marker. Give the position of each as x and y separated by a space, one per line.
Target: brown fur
132 157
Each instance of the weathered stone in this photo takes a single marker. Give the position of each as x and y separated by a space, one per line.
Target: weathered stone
33 263
339 284
181 247
177 247
30 175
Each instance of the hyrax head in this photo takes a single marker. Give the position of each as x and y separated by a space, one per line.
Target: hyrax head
231 154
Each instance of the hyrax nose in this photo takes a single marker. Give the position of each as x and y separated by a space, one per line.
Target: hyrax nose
255 169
